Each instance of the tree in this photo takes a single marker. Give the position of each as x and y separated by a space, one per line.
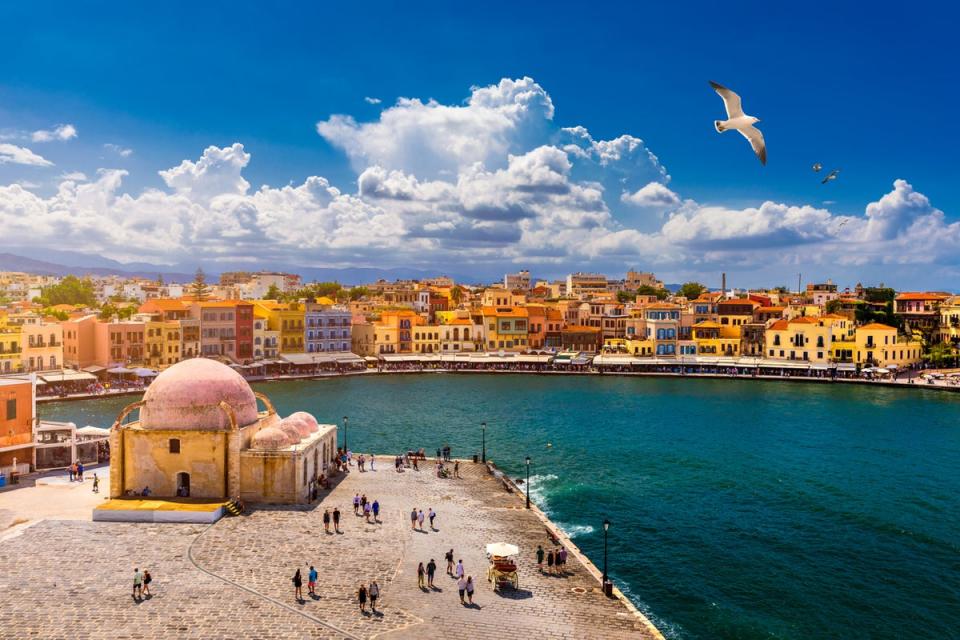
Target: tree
359 292
833 306
692 290
56 313
325 289
647 290
107 311
941 354
626 296
125 313
273 293
879 294
71 290
456 294
198 288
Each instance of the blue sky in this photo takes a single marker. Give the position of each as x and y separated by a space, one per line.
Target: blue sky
868 90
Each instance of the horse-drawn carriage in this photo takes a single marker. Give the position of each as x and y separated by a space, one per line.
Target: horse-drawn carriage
503 570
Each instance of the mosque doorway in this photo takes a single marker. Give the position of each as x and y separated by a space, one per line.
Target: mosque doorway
183 484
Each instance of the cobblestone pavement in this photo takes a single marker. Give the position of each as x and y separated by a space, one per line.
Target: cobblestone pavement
72 579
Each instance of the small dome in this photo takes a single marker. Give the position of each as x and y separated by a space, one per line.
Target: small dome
300 423
270 438
314 425
292 432
188 396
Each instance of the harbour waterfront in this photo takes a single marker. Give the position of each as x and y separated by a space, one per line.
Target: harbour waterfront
740 508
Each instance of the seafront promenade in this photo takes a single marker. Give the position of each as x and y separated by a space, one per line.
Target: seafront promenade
911 379
233 579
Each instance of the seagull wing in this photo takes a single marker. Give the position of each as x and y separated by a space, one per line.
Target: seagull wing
753 134
730 100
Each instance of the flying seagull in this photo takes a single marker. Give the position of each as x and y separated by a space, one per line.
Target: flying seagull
737 120
817 167
830 176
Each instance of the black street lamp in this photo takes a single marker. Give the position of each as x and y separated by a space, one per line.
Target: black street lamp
483 430
344 434
606 526
528 482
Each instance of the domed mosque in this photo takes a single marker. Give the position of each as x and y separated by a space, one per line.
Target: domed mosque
200 433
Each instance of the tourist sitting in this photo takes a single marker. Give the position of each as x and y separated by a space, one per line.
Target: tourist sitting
146 491
323 481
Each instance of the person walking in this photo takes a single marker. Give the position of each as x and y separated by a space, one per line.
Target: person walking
72 470
459 570
80 472
374 590
462 588
362 598
356 504
326 520
432 514
540 555
413 518
449 557
550 561
376 510
96 483
147 579
456 469
420 574
367 510
298 586
563 561
336 519
420 519
137 583
431 571
470 589
372 458
312 581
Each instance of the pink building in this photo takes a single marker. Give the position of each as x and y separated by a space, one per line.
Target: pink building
118 343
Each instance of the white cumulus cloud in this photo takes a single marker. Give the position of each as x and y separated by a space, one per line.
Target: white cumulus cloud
61 132
12 154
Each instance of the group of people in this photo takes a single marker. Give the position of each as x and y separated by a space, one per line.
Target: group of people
76 472
362 462
366 508
442 471
556 560
417 517
141 584
465 583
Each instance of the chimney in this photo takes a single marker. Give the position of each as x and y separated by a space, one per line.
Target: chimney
723 285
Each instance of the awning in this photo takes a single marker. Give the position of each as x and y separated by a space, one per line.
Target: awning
93 432
846 366
297 358
68 376
581 360
94 368
349 358
143 372
120 370
786 364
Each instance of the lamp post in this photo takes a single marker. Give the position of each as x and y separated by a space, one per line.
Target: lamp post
528 482
606 526
344 434
483 430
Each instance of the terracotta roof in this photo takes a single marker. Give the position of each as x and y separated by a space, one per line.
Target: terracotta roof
663 307
738 301
780 325
805 320
922 295
876 326
162 304
506 312
770 309
835 316
460 321
707 324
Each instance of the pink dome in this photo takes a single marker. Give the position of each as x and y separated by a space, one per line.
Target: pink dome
188 395
302 425
314 425
270 438
292 432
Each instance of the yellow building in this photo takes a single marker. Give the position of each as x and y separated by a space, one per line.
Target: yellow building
426 338
497 297
707 336
505 328
288 319
733 314
162 341
879 345
803 338
393 332
41 345
10 336
201 434
950 320
634 346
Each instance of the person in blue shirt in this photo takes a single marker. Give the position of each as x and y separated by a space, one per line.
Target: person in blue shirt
376 511
312 581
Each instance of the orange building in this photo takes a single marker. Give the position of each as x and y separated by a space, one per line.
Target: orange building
17 411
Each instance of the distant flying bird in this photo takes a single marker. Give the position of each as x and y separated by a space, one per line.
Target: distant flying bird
842 222
817 167
830 176
736 119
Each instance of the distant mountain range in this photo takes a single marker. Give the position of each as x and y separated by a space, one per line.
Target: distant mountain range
61 263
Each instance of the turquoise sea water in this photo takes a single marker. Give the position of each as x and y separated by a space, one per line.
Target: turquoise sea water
740 508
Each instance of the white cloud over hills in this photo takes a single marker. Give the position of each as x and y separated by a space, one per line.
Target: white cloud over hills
476 186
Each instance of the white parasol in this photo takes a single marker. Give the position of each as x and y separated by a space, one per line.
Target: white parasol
502 549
